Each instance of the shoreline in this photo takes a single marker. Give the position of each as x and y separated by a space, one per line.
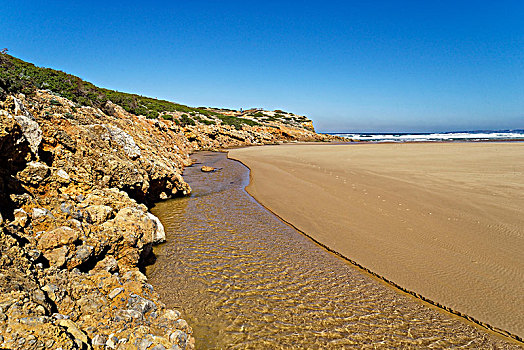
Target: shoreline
224 233
426 300
430 303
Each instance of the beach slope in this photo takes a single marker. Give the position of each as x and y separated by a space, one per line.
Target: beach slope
443 220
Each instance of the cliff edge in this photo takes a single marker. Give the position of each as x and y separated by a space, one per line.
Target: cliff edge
79 172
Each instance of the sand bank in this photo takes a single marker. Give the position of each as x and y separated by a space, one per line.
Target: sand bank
445 220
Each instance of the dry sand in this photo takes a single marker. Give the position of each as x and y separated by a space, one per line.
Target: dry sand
444 220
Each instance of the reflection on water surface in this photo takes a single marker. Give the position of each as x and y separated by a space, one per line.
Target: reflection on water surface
244 279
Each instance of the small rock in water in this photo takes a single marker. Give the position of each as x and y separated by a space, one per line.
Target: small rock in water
207 169
172 315
159 236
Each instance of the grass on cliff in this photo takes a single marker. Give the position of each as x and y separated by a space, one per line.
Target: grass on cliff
17 76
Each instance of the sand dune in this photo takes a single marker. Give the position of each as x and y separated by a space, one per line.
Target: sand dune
445 220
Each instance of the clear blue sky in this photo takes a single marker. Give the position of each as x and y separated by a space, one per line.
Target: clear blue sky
348 65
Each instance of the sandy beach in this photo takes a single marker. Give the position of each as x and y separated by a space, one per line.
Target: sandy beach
444 220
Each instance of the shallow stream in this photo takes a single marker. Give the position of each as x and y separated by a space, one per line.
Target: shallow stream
244 279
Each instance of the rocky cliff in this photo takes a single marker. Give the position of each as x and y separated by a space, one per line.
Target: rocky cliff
76 183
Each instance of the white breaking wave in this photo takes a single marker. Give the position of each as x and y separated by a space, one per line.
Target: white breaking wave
447 136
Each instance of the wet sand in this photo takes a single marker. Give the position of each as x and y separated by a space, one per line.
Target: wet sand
443 220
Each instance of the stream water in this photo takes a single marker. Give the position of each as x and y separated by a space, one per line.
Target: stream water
242 278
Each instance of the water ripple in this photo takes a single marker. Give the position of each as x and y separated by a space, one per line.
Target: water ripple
245 280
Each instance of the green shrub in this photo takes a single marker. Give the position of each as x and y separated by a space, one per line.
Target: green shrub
208 122
167 116
152 114
236 122
204 121
185 120
54 102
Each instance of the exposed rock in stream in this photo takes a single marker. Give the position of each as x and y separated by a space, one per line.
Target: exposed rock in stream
75 230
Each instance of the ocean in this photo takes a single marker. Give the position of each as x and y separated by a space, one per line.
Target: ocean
479 135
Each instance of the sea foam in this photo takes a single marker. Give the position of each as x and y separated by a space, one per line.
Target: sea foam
484 135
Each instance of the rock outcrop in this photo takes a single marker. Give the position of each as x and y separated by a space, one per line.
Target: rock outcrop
75 230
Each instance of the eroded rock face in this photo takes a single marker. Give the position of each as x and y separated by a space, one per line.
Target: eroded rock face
74 223
29 126
34 173
31 131
72 233
125 141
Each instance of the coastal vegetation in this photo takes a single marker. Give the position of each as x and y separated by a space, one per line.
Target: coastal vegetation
185 120
18 76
